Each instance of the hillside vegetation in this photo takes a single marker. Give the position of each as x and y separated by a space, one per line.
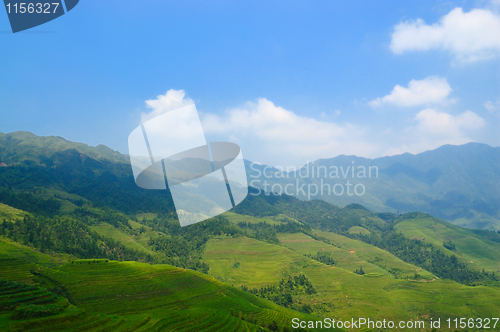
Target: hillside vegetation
124 296
106 255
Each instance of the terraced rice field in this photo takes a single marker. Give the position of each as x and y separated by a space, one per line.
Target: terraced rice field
237 218
125 296
16 261
131 296
15 269
472 248
350 254
340 292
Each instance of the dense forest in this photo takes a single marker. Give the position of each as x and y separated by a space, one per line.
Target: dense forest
67 235
28 202
103 183
94 216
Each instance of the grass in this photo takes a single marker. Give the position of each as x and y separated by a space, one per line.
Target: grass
346 258
17 261
9 213
141 216
237 218
260 263
139 242
374 255
135 225
66 206
132 296
128 240
162 292
340 292
359 230
478 251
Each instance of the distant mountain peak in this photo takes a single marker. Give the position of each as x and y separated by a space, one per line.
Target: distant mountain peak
20 146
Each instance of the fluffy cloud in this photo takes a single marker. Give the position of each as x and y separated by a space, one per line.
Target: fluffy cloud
470 37
273 135
447 125
279 134
491 106
434 129
430 90
170 101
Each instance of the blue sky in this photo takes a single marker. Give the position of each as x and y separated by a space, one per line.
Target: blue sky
289 81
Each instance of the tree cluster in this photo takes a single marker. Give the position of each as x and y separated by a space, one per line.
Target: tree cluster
428 257
67 235
322 257
282 294
28 202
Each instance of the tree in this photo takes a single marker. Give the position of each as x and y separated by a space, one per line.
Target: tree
360 271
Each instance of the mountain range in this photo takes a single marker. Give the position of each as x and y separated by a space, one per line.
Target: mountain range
460 184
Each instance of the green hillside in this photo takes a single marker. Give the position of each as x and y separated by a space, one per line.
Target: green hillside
445 182
237 218
18 261
24 146
380 231
479 248
350 254
341 292
9 213
359 250
123 296
274 248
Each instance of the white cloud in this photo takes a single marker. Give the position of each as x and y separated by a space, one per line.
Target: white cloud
431 90
470 37
447 125
171 100
277 136
494 4
280 136
329 114
434 129
491 106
